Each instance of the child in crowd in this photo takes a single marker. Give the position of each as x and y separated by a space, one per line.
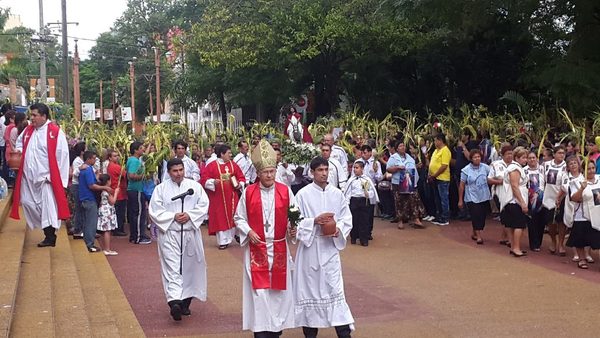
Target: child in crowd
360 193
107 215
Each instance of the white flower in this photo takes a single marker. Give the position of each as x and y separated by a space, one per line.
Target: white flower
294 209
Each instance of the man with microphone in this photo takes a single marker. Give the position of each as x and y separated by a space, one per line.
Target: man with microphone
178 207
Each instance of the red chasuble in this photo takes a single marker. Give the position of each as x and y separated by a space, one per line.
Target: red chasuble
55 180
262 278
224 200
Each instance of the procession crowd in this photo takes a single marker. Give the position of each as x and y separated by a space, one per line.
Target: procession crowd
251 197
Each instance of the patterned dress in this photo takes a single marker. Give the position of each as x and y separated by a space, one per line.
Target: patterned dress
107 216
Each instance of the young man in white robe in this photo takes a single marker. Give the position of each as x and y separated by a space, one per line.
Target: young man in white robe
337 174
284 172
318 283
262 221
183 267
242 159
190 166
44 174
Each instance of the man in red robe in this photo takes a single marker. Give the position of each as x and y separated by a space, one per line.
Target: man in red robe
222 180
43 175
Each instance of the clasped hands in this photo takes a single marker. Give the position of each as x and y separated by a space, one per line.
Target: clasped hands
182 217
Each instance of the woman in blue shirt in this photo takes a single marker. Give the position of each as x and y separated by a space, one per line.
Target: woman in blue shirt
475 192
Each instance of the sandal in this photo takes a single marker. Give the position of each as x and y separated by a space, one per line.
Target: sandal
589 259
582 264
479 241
474 237
575 259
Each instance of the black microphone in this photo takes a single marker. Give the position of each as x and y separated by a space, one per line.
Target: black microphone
189 192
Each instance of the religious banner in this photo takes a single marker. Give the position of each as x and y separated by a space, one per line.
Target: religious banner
126 114
108 115
88 111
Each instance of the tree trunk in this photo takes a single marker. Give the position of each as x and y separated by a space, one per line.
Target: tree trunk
327 75
222 108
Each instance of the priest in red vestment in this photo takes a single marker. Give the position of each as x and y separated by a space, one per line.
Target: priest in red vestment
262 221
43 175
222 179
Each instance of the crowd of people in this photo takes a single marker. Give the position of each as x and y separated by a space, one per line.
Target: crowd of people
338 195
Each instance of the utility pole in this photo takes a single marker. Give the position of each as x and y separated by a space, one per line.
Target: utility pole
132 84
76 95
151 104
157 66
43 87
101 103
65 54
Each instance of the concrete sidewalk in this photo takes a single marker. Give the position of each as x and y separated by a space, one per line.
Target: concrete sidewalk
407 283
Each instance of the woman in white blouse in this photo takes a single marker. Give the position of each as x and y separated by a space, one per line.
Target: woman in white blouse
583 197
514 204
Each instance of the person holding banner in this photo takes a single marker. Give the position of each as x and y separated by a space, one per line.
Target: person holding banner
262 221
180 248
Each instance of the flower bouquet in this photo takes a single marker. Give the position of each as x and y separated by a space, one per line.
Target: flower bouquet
294 216
299 154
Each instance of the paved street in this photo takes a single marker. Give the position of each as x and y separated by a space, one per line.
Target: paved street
407 283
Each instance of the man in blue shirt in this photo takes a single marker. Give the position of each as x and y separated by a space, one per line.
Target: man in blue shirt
87 198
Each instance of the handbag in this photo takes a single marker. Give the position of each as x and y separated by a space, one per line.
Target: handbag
384 185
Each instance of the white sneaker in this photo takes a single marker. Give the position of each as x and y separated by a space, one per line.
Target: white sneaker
110 253
428 218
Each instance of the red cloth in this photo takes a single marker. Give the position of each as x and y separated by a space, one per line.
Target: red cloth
223 201
259 262
6 137
114 170
55 180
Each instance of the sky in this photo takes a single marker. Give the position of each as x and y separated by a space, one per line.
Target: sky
94 17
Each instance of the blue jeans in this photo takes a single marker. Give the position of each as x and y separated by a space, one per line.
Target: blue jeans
442 203
77 213
89 221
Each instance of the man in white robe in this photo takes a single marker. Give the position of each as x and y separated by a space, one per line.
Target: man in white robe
183 268
319 286
242 159
337 152
191 169
268 304
337 174
284 172
40 183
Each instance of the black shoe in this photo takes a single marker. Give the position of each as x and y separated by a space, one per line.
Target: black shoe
175 309
119 233
50 238
223 247
370 237
364 243
353 241
185 307
237 238
47 242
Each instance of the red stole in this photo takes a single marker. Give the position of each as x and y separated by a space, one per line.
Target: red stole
55 179
259 263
